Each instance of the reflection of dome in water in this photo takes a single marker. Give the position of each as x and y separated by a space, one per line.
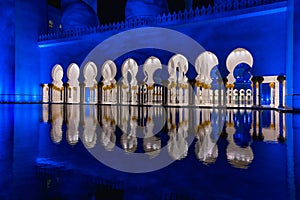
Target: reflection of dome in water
145 8
78 15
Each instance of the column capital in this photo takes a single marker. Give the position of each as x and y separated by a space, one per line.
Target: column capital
281 78
100 84
260 79
230 85
192 82
254 79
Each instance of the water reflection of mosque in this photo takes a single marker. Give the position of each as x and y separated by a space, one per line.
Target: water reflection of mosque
152 128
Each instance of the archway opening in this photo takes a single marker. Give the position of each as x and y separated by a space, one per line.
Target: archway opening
242 76
215 77
265 94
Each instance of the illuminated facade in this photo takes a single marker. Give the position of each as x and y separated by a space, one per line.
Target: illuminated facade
254 43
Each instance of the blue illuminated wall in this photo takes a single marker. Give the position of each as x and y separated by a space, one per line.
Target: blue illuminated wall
30 21
261 30
256 32
293 52
7 50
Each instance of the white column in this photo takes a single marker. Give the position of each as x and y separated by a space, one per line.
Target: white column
272 97
45 93
257 93
276 92
283 92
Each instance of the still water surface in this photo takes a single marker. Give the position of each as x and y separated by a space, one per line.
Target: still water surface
129 152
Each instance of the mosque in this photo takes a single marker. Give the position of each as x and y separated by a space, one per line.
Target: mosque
247 55
70 66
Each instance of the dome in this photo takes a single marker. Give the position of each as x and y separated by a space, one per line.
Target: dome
145 8
78 14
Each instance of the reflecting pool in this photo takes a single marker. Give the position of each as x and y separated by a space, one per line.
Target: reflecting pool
62 151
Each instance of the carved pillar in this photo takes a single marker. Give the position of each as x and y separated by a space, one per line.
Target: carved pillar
45 93
82 93
254 82
224 103
220 98
280 79
260 79
272 94
284 93
50 92
209 94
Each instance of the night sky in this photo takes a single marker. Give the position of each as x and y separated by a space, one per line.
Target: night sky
110 11
114 10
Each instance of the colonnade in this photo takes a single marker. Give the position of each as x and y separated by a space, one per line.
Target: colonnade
205 90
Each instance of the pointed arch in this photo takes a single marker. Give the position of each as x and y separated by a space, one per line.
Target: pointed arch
205 62
73 89
73 73
178 61
90 74
237 56
150 66
57 75
109 70
90 91
130 66
57 94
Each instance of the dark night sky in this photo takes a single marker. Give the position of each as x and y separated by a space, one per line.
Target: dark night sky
114 10
111 11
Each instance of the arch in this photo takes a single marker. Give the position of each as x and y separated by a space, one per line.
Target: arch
73 92
109 90
237 56
150 66
130 66
205 62
57 92
90 74
108 71
57 75
178 88
90 93
241 73
180 63
73 72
